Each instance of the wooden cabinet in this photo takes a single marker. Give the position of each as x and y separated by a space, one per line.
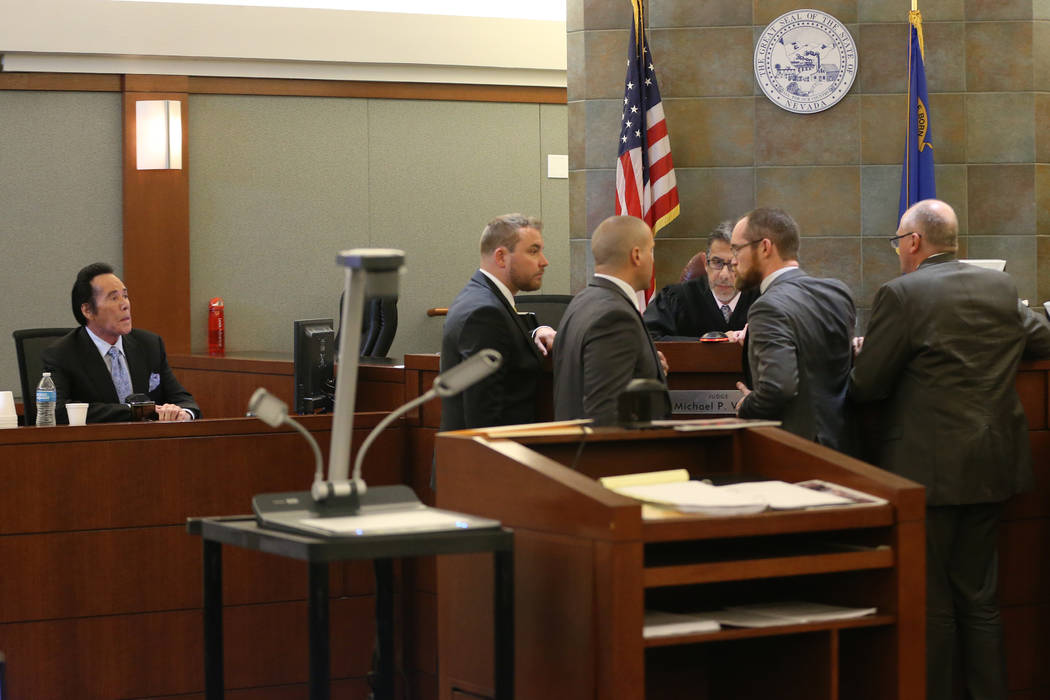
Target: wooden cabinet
588 562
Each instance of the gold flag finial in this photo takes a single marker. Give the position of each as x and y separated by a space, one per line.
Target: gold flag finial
915 19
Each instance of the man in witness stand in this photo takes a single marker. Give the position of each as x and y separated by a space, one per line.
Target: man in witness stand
799 333
602 343
708 302
104 361
942 349
483 316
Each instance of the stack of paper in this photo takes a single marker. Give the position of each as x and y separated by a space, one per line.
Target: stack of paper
787 613
665 624
695 497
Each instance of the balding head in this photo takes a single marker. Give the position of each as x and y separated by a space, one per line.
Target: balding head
623 247
937 223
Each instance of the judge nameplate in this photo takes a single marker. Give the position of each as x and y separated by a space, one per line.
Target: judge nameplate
707 402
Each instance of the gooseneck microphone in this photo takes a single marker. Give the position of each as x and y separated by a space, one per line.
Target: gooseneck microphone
466 374
274 412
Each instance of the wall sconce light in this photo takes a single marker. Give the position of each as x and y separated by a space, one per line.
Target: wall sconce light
158 134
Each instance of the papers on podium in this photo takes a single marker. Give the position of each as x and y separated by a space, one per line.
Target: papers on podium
673 489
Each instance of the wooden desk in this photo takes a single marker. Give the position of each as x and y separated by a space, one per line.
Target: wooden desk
223 385
100 590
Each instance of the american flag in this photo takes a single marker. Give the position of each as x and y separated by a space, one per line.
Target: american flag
645 182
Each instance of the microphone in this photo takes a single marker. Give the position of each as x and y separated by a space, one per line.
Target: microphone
475 368
449 383
274 412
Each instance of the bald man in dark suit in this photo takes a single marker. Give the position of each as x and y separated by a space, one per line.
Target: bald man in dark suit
602 343
942 350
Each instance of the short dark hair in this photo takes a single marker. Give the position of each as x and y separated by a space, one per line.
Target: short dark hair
776 225
723 232
82 291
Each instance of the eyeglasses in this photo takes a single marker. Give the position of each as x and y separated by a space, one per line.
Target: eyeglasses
718 264
895 242
737 248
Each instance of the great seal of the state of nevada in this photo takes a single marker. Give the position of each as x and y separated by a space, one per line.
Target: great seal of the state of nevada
805 61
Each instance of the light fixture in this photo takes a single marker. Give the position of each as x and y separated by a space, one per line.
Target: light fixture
158 134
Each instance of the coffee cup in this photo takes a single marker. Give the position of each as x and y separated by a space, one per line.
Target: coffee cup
7 404
77 413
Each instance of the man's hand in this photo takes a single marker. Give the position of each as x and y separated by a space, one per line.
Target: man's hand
663 362
544 339
737 336
742 388
171 412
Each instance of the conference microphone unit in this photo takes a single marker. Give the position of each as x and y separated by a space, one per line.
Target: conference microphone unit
333 501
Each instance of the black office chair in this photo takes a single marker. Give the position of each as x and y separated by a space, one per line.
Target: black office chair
378 326
549 308
381 326
29 343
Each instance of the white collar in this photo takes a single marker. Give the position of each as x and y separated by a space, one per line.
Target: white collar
731 303
504 289
103 346
628 290
773 275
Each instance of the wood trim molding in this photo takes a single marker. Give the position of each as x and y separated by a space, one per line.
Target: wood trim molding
379 90
288 87
79 82
157 234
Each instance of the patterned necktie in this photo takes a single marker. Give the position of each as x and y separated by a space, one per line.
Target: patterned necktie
726 312
121 380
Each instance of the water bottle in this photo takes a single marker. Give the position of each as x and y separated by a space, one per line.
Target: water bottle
46 397
216 328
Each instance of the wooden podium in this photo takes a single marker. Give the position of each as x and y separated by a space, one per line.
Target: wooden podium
588 562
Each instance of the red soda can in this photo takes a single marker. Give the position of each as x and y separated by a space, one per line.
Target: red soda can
216 328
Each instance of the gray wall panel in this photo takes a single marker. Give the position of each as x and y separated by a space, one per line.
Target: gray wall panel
277 186
60 194
442 170
554 139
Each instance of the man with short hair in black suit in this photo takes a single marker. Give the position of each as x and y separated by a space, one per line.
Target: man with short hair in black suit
602 343
942 349
708 302
483 316
799 333
104 361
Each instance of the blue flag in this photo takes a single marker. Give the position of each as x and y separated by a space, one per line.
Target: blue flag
917 179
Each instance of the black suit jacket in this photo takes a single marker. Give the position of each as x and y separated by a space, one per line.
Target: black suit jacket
601 346
80 375
942 347
687 310
480 317
799 350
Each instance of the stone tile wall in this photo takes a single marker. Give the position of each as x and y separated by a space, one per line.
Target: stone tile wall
838 171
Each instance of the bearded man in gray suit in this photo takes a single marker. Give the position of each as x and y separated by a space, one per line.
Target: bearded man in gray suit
799 333
942 350
602 343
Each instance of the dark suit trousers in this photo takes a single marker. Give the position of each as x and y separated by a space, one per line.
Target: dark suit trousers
962 612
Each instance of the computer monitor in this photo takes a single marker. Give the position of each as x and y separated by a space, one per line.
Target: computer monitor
314 361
